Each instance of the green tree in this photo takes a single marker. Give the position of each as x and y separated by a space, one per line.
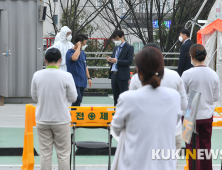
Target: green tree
88 29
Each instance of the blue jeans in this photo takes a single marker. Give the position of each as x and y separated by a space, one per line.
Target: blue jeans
80 91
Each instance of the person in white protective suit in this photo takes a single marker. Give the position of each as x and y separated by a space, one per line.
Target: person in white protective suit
63 43
57 38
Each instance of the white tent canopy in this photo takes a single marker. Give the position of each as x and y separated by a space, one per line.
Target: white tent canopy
210 35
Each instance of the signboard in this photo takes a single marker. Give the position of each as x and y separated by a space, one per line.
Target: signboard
166 23
190 116
92 116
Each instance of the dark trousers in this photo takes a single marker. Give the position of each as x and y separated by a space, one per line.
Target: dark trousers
80 91
203 142
118 86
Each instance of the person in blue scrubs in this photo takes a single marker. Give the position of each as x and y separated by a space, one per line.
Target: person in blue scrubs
76 65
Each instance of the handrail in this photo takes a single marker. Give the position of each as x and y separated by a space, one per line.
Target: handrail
131 67
171 53
103 58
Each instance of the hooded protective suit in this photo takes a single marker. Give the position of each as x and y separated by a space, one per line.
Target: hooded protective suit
57 38
63 45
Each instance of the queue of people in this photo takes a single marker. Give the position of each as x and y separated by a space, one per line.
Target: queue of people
148 116
199 78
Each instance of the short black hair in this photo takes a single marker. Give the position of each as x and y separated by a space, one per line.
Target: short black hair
52 55
119 33
81 38
185 31
151 44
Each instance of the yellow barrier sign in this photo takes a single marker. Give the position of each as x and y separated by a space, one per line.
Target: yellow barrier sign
92 116
82 117
219 111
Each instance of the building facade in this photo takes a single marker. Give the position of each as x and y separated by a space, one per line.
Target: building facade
104 28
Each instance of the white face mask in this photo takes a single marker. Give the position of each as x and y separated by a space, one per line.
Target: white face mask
84 47
180 39
117 43
69 38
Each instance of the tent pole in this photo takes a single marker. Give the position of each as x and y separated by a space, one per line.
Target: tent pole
200 10
197 15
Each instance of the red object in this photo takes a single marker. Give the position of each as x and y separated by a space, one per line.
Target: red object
131 75
216 25
49 41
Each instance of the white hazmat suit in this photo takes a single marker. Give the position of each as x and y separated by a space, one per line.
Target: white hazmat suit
63 45
57 38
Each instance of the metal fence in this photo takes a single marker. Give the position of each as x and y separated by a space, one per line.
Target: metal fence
131 67
105 83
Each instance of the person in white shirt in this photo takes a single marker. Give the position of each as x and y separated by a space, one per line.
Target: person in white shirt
52 89
172 80
146 125
63 43
205 81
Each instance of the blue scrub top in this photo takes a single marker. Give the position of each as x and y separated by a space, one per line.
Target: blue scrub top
77 68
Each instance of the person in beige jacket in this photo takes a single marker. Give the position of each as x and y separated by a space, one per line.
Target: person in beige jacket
52 89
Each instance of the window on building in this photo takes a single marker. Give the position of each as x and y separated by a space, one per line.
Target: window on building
55 19
138 46
149 7
55 0
44 43
120 3
99 3
168 5
142 8
113 4
52 41
161 6
141 45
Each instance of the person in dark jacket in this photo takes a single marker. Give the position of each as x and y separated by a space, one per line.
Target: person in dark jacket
120 62
185 59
